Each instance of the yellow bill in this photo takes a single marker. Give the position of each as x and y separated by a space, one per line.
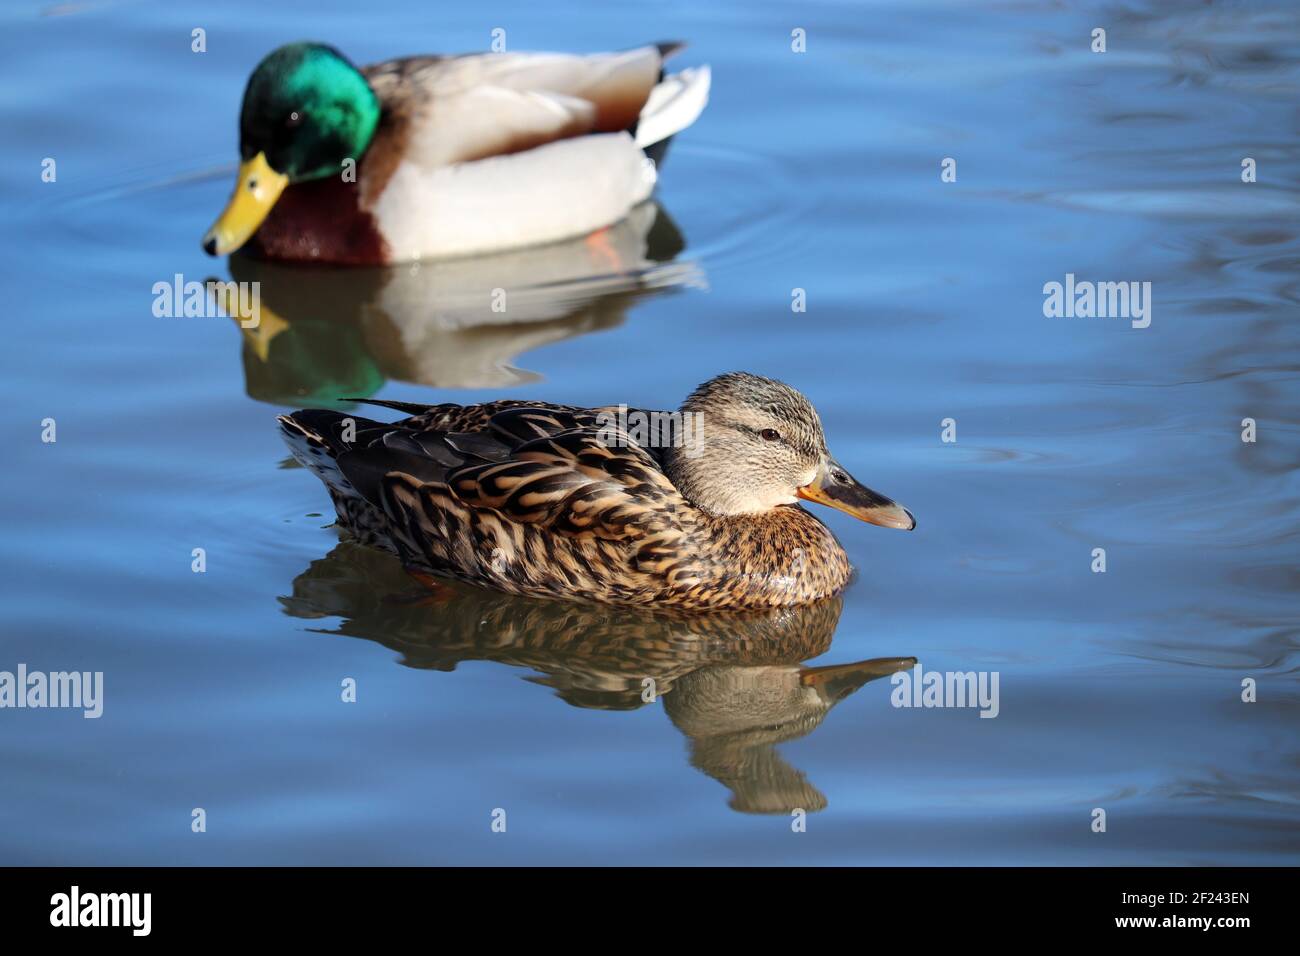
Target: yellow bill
256 190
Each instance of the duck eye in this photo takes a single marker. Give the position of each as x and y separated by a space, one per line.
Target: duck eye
770 434
293 119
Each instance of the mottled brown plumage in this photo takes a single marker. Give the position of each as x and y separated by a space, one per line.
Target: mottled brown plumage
733 683
558 501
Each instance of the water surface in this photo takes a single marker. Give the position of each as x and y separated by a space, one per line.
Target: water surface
816 171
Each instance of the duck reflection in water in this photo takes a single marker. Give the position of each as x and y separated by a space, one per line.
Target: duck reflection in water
734 684
324 333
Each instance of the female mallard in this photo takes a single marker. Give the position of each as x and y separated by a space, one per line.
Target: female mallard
430 156
558 501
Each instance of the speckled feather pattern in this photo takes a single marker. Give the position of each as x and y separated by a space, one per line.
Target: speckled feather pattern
526 498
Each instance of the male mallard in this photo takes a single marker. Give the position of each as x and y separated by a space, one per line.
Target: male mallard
558 501
436 156
322 333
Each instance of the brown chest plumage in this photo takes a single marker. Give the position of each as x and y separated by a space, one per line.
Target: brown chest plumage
321 221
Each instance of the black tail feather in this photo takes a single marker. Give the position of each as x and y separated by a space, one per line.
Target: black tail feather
337 431
411 408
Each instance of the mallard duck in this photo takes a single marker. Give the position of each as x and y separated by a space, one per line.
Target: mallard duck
321 333
736 715
733 683
589 504
438 156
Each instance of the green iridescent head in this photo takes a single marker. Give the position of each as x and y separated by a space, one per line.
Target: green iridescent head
307 108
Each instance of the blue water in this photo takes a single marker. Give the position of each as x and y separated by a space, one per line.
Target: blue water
817 171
